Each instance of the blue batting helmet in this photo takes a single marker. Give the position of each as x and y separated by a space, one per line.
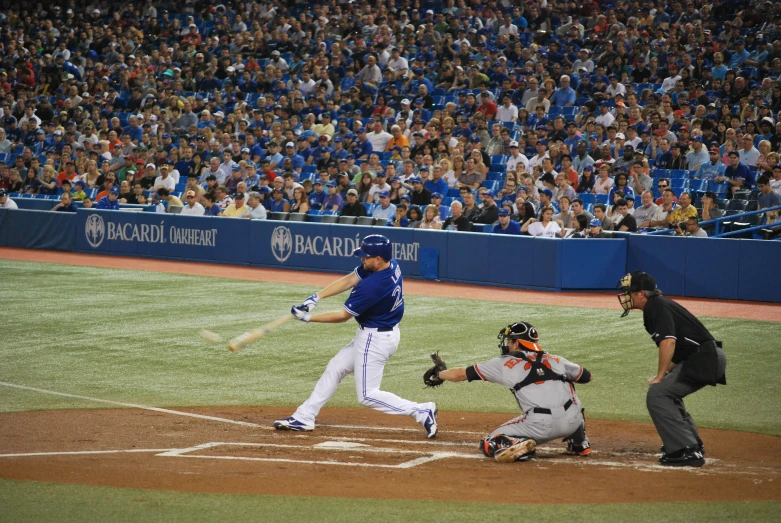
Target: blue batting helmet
375 245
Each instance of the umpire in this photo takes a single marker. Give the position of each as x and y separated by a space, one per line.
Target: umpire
689 359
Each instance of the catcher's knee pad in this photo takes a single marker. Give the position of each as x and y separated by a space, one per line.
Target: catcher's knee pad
490 445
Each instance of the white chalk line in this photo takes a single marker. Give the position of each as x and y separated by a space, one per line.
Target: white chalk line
132 405
355 427
80 452
211 418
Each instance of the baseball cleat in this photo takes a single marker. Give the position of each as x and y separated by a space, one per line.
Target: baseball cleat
521 451
700 447
293 424
688 457
430 424
583 449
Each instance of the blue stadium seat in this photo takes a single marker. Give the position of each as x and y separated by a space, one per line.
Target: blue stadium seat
719 188
309 169
679 183
660 173
447 200
496 175
369 207
493 185
444 212
678 173
588 198
454 192
601 198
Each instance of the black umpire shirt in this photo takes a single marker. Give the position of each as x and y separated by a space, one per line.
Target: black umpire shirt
664 318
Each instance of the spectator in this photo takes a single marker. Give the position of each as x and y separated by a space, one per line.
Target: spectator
165 195
257 210
110 201
596 230
639 181
420 196
414 217
581 224
385 210
457 221
278 201
775 181
506 225
600 212
353 207
400 218
627 222
545 226
737 174
209 202
489 212
683 211
698 156
192 207
603 184
333 200
563 189
710 211
165 180
645 213
300 202
431 218
692 226
713 168
6 202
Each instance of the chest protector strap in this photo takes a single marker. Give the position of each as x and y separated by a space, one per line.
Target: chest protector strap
538 372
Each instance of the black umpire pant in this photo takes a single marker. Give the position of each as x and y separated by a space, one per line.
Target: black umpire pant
665 405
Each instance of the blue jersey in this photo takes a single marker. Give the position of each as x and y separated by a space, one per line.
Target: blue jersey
378 299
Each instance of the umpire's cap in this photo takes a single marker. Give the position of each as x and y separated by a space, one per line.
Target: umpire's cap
375 245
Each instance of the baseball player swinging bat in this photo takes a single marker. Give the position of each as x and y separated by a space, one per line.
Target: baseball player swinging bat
240 341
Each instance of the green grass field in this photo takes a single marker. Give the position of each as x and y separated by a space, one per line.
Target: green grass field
132 337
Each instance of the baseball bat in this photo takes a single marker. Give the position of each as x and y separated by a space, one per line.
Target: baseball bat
240 341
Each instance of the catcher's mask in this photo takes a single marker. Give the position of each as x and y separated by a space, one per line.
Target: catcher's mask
523 332
634 282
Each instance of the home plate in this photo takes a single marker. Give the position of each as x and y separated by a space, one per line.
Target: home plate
345 445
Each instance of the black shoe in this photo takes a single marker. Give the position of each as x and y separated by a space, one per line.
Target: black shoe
688 457
700 447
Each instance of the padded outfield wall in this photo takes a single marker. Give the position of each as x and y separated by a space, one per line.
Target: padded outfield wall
709 268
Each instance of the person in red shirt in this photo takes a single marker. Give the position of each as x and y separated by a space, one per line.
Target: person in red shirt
487 107
69 173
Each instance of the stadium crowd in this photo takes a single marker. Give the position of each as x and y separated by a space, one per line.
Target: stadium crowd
549 118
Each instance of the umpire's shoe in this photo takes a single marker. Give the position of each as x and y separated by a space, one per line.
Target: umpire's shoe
521 451
293 424
686 457
700 447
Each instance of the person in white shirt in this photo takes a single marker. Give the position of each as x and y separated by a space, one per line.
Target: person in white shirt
545 227
515 158
398 64
6 202
615 87
165 179
380 185
507 113
508 28
192 207
749 154
379 138
605 118
257 210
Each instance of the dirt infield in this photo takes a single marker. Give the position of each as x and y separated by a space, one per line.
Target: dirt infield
699 306
363 454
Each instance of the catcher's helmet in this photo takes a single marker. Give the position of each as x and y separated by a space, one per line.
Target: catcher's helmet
375 245
523 332
634 282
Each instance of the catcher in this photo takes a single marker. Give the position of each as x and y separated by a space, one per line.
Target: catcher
542 385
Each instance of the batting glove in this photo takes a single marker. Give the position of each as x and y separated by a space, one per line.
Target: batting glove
311 302
300 312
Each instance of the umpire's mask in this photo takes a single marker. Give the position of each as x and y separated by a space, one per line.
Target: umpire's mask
634 282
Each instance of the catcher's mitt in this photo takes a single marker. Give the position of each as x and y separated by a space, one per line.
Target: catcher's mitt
431 376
